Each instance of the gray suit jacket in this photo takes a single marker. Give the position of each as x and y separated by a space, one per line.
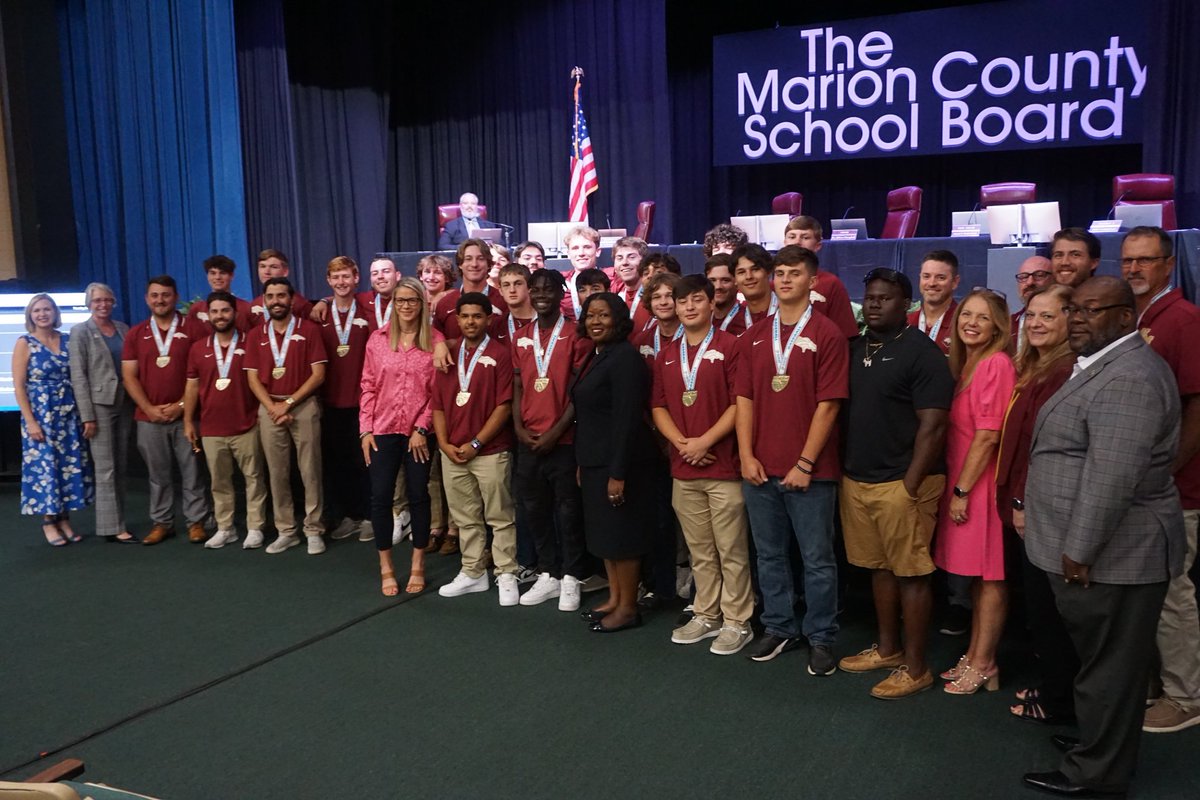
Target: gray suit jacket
1100 487
92 375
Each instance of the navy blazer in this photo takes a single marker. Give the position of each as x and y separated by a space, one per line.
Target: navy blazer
455 232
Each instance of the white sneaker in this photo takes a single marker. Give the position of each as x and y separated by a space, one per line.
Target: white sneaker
345 529
568 593
401 526
283 543
220 539
464 584
510 593
366 531
316 545
254 539
547 586
593 584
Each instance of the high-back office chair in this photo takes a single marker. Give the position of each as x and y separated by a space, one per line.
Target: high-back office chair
645 220
998 194
449 211
789 203
903 212
1144 188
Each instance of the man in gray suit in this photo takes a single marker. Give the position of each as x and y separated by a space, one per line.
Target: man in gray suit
1103 520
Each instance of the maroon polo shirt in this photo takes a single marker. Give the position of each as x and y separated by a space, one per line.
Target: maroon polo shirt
301 307
1171 326
714 389
243 319
737 320
818 370
829 296
343 373
306 349
445 317
490 386
162 384
644 342
501 324
943 336
223 412
540 410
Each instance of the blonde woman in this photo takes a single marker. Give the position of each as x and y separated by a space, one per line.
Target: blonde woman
56 470
970 539
394 421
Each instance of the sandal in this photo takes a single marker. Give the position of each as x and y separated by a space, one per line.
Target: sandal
1027 695
1033 711
64 525
972 680
53 537
416 582
956 672
390 587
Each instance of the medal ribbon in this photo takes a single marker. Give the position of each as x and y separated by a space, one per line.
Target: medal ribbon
782 354
224 360
658 337
464 374
729 317
343 332
770 312
280 354
380 319
1153 300
921 323
542 360
164 345
690 373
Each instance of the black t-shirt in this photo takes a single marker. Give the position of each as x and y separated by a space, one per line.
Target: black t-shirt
907 373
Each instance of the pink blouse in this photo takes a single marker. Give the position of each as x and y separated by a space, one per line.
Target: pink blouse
396 386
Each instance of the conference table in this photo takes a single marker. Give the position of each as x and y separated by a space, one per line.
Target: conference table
852 260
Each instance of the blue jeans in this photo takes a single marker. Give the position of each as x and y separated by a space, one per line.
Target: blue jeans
776 514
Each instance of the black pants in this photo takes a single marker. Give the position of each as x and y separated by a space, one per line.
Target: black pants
549 495
386 463
1052 645
347 490
1113 628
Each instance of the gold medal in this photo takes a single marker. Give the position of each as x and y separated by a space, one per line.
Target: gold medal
278 373
162 361
540 384
223 383
342 349
779 382
462 398
689 397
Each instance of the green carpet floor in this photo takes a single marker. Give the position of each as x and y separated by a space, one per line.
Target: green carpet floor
452 697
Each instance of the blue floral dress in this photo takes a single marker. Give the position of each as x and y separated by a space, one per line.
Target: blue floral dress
56 473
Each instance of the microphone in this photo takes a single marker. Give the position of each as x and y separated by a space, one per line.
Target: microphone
846 213
1113 210
608 221
971 219
503 225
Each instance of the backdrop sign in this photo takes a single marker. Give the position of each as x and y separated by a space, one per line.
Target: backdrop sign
1001 76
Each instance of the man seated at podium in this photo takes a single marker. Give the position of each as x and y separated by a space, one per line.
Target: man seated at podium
464 226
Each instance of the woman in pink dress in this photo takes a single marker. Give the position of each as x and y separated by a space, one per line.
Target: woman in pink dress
970 539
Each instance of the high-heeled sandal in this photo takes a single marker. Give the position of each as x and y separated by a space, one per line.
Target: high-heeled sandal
416 582
972 680
390 587
64 527
956 672
53 537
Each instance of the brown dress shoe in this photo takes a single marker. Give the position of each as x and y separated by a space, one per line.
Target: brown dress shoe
159 532
196 533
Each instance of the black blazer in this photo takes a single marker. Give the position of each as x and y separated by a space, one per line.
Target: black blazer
455 232
611 398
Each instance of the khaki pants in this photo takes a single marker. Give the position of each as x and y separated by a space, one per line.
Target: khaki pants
1178 636
712 515
222 452
478 492
303 432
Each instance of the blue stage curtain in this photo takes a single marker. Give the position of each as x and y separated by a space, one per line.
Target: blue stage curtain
1173 116
394 111
154 142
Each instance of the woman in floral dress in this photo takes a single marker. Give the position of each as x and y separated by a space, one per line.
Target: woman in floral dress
56 473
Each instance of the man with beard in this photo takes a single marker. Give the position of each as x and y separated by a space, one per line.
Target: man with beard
463 227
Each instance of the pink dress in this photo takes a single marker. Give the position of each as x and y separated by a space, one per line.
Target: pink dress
975 547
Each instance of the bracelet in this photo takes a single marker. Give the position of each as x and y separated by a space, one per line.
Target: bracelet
808 461
364 434
802 469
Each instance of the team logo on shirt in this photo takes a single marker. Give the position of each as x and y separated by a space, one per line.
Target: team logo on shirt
646 350
713 355
360 322
804 343
298 338
524 341
816 297
487 361
202 316
1149 337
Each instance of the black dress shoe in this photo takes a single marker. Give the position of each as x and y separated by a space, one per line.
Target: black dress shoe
592 615
1064 744
1057 783
117 540
636 622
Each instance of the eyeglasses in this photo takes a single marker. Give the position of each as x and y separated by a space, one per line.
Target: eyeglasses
989 290
1141 261
1038 275
1091 312
407 301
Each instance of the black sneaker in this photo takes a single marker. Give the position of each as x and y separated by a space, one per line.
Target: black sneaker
956 622
821 660
771 645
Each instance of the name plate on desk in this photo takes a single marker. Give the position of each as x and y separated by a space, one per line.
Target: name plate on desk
1105 226
844 235
960 231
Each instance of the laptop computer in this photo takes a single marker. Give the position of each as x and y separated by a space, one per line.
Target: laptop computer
857 224
1142 214
978 217
490 235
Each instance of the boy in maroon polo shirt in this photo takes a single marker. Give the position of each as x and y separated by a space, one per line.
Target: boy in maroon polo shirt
273 263
544 421
659 301
219 272
514 288
694 409
752 267
154 368
344 334
216 382
471 409
1171 326
828 294
474 259
285 367
726 306
793 374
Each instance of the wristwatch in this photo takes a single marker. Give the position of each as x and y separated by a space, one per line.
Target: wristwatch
289 401
1018 505
960 492
476 444
420 430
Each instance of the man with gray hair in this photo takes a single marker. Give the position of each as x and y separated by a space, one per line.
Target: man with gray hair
464 226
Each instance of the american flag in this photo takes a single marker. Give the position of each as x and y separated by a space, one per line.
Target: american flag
583 166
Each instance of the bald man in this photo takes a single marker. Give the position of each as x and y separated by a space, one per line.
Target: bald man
463 227
1034 274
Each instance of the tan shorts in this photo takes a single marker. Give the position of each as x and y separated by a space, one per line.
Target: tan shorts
884 528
